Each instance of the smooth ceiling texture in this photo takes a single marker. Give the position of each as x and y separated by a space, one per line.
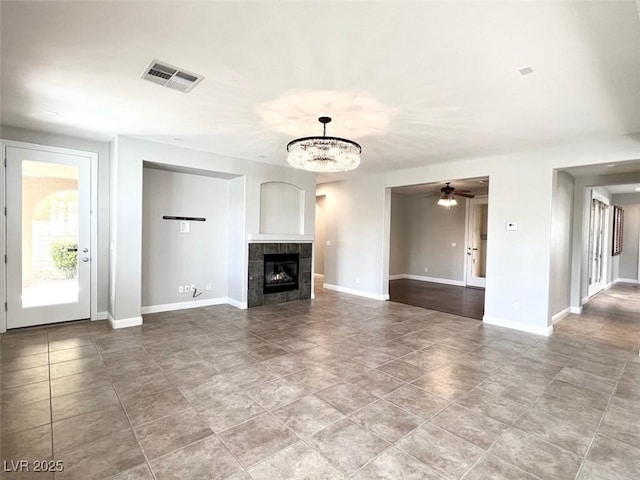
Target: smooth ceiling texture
414 83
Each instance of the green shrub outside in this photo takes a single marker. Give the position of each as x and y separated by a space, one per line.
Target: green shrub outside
65 260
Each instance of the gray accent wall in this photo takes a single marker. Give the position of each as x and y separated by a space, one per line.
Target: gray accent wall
171 258
320 238
423 234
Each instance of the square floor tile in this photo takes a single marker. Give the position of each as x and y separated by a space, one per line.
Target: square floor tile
226 410
308 415
297 462
347 445
257 438
472 426
448 454
386 420
346 397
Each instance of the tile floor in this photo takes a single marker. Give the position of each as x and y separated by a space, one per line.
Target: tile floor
338 387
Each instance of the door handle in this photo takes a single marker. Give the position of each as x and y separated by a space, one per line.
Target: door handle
85 259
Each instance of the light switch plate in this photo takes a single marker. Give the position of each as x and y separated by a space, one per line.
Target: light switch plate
185 227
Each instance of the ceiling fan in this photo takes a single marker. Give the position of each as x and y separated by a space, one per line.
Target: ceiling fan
447 198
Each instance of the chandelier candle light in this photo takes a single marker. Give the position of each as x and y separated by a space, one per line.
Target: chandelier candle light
324 154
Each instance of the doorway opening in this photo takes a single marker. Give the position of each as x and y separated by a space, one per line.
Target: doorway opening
437 257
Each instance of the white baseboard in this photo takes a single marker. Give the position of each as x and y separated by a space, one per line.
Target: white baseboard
353 291
124 322
625 280
576 310
446 281
523 327
169 307
235 303
102 316
560 315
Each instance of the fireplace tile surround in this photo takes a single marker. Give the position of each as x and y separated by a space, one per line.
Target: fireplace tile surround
256 297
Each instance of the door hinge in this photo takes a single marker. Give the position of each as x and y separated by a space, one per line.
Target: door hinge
5 307
5 258
5 211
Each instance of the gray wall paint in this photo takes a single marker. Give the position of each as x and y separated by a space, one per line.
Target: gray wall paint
171 258
127 237
320 237
561 218
518 262
422 234
431 231
399 245
627 261
238 253
102 149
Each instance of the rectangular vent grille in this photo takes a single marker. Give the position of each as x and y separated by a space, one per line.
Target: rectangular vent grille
170 77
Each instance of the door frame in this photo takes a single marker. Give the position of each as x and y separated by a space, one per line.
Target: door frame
93 220
467 236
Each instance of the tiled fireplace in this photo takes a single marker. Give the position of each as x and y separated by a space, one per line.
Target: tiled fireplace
278 273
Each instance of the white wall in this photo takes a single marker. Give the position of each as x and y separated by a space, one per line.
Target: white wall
561 219
102 150
127 202
518 262
171 258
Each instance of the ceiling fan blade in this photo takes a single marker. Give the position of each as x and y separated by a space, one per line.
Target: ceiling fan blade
466 195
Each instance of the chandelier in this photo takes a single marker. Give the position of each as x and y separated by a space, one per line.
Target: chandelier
324 154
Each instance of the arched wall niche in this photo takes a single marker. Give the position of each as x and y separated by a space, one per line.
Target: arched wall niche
281 208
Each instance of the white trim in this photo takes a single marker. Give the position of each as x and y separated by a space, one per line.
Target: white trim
359 293
93 220
446 281
124 322
235 303
102 316
560 315
523 327
3 236
585 300
169 307
575 310
625 280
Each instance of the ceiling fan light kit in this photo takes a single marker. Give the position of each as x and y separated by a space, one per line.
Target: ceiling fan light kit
324 154
448 199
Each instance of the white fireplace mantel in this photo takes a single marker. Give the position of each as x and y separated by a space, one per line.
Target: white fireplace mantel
278 238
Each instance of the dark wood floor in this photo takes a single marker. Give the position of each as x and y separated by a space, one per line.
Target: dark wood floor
468 302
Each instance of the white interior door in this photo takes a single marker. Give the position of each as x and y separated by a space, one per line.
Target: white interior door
48 237
477 242
597 251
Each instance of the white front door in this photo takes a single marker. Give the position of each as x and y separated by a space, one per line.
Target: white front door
48 237
477 242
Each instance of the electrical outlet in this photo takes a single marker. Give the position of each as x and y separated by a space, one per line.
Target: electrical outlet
180 289
426 269
357 279
187 288
454 244
208 287
516 306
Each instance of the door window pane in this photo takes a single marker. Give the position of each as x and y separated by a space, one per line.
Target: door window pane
49 234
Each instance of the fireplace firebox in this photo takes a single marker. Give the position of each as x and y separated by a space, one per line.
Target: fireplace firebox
280 272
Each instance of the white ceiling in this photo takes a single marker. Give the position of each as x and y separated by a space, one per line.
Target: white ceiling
414 82
631 188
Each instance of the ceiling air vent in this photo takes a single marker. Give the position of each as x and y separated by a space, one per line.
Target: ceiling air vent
170 76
